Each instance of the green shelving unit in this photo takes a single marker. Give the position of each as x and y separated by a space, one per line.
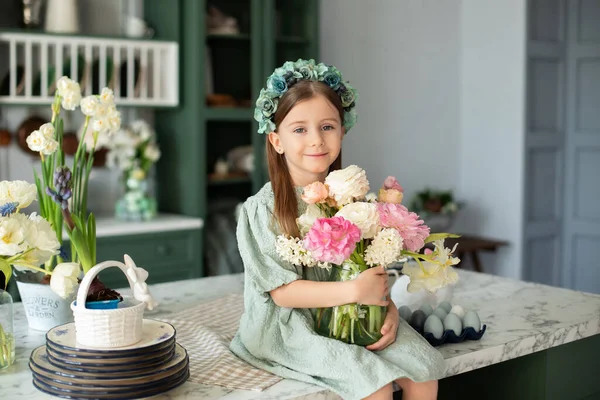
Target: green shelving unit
194 136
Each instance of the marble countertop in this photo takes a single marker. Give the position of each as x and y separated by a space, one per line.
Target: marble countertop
521 318
109 226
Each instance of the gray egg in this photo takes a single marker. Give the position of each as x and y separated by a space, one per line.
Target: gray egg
453 323
441 313
417 320
427 309
446 306
434 326
405 313
471 320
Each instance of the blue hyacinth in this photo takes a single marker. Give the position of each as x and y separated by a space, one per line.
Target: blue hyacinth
8 208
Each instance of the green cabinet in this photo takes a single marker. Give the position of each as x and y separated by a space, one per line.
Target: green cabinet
166 255
195 135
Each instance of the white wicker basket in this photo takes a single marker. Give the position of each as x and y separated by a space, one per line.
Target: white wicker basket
108 328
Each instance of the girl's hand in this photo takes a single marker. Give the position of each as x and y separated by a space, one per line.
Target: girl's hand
388 330
371 287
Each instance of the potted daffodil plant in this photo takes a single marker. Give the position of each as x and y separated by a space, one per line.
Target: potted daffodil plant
62 192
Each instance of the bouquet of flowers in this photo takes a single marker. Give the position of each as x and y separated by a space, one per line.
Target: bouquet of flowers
62 191
133 151
348 230
26 242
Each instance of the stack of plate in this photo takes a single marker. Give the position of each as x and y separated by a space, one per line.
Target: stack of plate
154 365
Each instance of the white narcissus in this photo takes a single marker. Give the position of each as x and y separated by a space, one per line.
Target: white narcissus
152 152
347 184
363 215
70 92
63 280
21 192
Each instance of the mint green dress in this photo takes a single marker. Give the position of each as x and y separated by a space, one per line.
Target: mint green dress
283 341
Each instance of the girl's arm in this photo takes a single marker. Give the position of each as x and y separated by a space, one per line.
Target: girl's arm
370 288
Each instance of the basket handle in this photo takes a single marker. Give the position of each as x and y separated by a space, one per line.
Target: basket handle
135 276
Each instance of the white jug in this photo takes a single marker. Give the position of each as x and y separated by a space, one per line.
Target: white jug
61 16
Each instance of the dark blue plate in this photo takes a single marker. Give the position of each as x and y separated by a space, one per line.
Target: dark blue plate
450 337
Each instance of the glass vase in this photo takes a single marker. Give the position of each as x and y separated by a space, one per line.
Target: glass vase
7 338
136 204
351 323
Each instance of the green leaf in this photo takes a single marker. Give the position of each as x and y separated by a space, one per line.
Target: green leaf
437 236
83 252
91 235
78 224
6 270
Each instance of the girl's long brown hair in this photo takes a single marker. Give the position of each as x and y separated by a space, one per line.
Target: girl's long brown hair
286 204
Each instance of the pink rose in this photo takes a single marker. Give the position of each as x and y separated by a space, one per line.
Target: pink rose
391 183
332 239
316 192
390 196
407 223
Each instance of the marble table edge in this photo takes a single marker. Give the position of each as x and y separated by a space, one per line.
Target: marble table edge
541 341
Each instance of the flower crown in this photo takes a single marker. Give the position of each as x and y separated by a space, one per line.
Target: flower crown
291 72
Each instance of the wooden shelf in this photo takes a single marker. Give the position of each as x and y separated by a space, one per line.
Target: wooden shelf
229 179
229 114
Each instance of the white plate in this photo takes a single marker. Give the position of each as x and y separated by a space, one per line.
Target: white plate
153 333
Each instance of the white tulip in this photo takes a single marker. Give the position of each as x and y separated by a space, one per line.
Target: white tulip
63 280
12 236
21 192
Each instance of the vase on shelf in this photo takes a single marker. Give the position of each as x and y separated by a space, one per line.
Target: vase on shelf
136 204
351 323
7 338
62 16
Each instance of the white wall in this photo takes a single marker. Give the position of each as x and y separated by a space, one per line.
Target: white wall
403 58
441 103
493 125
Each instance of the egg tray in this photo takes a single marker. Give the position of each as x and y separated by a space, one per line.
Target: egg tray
450 337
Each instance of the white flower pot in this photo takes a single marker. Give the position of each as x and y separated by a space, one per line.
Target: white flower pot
44 308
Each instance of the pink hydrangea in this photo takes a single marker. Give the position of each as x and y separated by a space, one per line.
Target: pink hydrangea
332 239
407 223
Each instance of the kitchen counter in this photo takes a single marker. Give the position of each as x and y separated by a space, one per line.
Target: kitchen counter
522 319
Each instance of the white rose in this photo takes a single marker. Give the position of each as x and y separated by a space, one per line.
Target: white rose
21 192
363 215
306 220
64 279
47 131
36 141
347 184
152 152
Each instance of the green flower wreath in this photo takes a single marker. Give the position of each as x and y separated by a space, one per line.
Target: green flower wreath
291 72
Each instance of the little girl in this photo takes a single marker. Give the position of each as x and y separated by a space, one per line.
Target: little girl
306 110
